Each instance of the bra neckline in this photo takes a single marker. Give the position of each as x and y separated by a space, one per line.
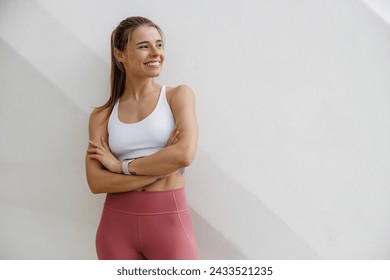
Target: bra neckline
162 91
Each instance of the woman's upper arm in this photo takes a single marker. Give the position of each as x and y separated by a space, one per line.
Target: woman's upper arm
184 110
97 129
98 125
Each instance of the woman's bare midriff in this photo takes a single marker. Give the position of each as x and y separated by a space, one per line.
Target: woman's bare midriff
174 181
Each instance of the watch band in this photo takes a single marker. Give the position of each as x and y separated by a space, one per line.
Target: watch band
125 166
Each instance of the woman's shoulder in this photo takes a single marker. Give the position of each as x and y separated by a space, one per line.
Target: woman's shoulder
182 91
179 88
99 116
180 96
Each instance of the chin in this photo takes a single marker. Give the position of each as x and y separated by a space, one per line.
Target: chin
155 74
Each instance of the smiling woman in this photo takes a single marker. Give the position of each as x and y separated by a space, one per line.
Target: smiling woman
140 142
144 52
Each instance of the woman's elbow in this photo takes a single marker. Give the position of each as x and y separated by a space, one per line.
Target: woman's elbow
186 161
94 187
94 177
94 184
95 190
186 157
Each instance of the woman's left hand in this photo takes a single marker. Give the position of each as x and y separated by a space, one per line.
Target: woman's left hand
103 154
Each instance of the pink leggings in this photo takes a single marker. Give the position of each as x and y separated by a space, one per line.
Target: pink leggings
146 225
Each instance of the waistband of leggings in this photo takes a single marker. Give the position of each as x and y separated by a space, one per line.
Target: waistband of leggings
139 202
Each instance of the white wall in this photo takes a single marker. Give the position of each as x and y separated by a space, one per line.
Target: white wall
293 102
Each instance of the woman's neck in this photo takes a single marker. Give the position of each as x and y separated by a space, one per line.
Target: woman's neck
136 88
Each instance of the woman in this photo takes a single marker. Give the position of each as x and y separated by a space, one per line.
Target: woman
140 142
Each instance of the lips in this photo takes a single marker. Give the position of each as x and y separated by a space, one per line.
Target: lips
153 64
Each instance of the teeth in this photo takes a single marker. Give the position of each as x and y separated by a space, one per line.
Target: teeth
153 64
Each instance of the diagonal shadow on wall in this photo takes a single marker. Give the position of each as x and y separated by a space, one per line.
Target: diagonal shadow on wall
240 216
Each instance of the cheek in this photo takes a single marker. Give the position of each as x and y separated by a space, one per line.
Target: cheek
130 63
135 60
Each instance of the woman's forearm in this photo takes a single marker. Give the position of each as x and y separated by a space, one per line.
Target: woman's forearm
101 180
164 162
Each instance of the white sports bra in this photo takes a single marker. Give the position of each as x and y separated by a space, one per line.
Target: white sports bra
142 138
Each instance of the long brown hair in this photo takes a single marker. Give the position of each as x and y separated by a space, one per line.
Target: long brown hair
119 39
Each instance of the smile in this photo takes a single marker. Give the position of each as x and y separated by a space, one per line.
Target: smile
153 64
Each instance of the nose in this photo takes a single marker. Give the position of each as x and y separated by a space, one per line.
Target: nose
154 51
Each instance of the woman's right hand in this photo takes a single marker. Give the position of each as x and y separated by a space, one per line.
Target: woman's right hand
103 154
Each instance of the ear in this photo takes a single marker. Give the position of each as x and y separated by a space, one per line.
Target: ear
119 55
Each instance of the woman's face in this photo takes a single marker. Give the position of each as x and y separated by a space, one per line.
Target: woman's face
144 53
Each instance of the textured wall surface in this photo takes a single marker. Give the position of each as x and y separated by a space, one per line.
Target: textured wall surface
293 101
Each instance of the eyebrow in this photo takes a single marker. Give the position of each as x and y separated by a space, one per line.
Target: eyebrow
146 42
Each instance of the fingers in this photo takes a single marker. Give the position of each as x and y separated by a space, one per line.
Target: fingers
174 138
97 146
171 136
104 145
93 151
94 156
93 144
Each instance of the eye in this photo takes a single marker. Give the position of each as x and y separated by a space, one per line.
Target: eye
160 45
143 47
